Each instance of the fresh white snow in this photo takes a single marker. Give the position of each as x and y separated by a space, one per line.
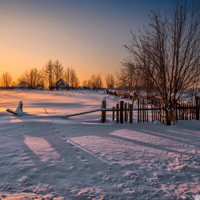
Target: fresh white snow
46 156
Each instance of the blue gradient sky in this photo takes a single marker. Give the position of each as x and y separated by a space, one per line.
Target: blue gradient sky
87 35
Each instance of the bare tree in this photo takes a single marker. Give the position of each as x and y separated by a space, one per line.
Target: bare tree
6 79
85 82
99 82
22 78
58 70
95 82
77 83
127 76
73 78
49 75
90 84
110 81
131 78
41 77
67 75
33 77
167 54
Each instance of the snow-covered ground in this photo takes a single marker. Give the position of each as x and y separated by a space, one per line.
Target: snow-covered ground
46 156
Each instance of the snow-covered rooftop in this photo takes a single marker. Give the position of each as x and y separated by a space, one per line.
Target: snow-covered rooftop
61 81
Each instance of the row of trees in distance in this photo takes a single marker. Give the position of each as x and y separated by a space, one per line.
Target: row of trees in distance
51 73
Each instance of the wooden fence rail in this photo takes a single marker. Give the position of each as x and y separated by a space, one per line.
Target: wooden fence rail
147 111
183 111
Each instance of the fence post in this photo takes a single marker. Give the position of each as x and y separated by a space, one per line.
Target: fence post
151 110
197 108
113 115
143 110
103 112
121 111
160 112
133 99
147 111
117 113
184 111
138 109
163 113
125 112
192 110
157 110
176 112
131 113
187 112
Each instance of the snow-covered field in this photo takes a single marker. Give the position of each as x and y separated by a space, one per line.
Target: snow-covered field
46 156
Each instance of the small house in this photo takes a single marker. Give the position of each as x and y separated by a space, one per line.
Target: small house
61 85
40 87
84 87
23 85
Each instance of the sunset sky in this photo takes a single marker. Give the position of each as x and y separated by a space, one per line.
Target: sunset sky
87 35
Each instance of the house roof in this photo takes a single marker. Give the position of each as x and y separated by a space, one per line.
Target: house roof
40 86
61 82
23 84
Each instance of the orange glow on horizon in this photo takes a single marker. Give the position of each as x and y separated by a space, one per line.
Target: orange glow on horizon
17 62
31 35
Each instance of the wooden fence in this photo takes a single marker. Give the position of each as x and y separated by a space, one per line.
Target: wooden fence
123 112
153 110
147 110
150 110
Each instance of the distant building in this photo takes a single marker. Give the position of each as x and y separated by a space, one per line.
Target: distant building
61 85
84 87
23 85
40 87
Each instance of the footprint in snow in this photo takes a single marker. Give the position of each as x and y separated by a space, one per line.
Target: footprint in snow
81 158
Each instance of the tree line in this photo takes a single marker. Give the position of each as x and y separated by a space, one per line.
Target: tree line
51 73
48 75
96 82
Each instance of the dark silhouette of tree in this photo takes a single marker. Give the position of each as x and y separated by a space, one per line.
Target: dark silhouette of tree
6 79
58 70
33 77
67 75
95 82
99 82
73 78
110 81
85 82
167 53
127 76
41 79
49 73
